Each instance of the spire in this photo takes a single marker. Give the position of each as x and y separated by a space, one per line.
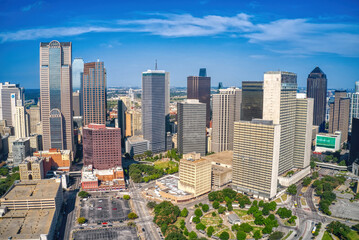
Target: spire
317 70
156 65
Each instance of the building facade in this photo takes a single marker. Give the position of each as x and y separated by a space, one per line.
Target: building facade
21 121
102 146
354 143
77 71
59 159
9 95
339 114
226 111
121 116
153 109
256 157
77 103
31 168
56 94
94 93
35 119
136 145
191 136
20 150
317 89
354 105
252 100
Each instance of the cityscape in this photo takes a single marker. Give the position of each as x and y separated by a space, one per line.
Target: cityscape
166 144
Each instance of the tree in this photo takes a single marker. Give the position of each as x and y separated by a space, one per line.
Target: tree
132 215
175 236
224 236
215 205
272 206
184 212
205 207
198 212
210 231
261 203
148 153
4 171
214 213
257 235
81 220
83 194
196 219
312 164
241 235
315 175
221 210
276 235
292 189
338 229
246 227
342 163
200 226
126 197
356 227
151 205
306 181
284 213
192 235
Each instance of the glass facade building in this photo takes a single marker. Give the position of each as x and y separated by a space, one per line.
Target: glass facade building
77 71
252 100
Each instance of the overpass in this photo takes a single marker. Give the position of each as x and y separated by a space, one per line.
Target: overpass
332 166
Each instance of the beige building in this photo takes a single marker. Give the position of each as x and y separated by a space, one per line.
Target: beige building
21 122
339 114
35 143
256 157
31 168
56 95
35 119
221 168
133 122
195 174
226 110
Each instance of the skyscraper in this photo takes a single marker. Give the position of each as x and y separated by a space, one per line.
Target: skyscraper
77 71
226 111
22 128
102 146
9 95
199 87
121 118
153 109
191 135
56 94
35 119
252 100
77 106
94 93
317 89
354 105
339 114
354 143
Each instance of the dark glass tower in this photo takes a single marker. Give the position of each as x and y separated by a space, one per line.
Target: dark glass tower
354 143
252 100
317 89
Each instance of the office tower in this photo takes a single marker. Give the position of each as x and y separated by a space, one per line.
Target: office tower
21 121
102 146
153 109
77 71
225 111
31 168
354 143
20 150
35 119
121 116
354 105
76 104
9 96
339 114
256 157
56 94
195 174
191 117
252 100
202 72
303 132
94 93
317 89
200 88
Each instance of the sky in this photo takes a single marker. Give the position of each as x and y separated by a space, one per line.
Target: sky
235 40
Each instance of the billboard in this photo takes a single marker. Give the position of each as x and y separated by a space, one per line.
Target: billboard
327 142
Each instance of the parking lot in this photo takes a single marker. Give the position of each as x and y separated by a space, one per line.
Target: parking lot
97 210
120 233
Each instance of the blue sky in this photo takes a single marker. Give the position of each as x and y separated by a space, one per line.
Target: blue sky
235 40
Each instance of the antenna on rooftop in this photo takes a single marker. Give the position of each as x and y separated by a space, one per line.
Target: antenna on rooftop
156 65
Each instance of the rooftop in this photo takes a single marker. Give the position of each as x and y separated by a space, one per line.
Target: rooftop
33 189
135 139
225 157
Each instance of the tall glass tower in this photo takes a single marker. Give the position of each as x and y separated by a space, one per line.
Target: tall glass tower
77 71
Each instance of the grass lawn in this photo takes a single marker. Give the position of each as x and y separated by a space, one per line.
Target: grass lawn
208 220
353 235
164 164
240 213
327 236
304 189
287 236
278 200
177 223
284 197
302 200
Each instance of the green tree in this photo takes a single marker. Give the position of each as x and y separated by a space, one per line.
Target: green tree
198 212
338 229
224 235
215 205
200 226
221 210
246 227
241 235
292 189
257 235
306 181
184 212
315 175
210 231
272 206
126 197
342 163
83 194
132 215
276 236
312 164
192 235
81 220
175 236
196 219
151 205
205 207
214 213
4 171
148 153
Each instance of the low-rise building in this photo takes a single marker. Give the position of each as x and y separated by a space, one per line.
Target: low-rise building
102 180
31 168
328 142
136 145
61 159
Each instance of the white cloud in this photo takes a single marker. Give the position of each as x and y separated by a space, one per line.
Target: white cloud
286 36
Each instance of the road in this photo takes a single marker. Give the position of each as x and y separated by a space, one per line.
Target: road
145 220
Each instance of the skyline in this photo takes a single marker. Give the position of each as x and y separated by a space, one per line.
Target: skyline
235 41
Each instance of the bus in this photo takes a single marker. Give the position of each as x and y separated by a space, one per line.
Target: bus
314 228
295 203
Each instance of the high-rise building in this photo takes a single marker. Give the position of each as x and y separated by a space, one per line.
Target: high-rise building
195 174
77 103
20 150
102 146
77 71
121 117
10 94
35 119
317 89
354 143
202 72
199 87
191 118
133 122
94 93
226 111
354 105
21 121
339 114
56 94
256 157
153 109
252 100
